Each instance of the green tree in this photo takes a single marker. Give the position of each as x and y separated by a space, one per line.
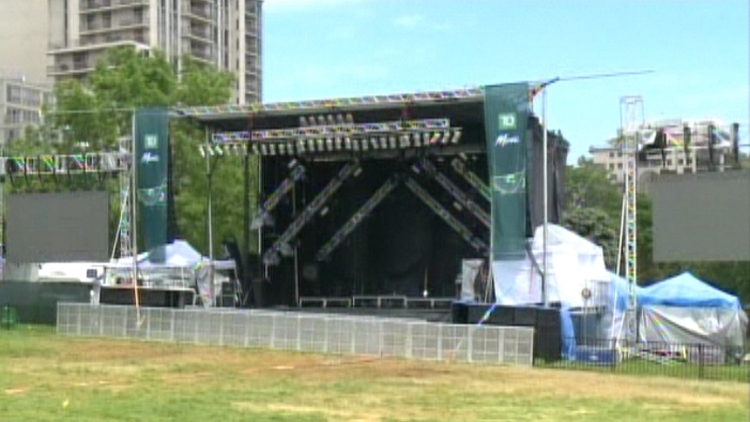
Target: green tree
92 115
592 207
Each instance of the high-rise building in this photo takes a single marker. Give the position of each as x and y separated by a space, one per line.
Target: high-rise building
224 33
21 104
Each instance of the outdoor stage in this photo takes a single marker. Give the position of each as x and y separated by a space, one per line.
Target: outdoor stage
371 197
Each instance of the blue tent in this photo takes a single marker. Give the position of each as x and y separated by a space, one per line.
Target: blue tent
685 290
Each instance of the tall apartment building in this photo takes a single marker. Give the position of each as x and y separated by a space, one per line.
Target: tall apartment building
676 159
24 38
224 33
20 106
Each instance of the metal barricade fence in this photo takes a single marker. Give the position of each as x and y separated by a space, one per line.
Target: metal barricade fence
304 332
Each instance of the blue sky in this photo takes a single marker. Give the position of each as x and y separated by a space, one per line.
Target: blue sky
697 49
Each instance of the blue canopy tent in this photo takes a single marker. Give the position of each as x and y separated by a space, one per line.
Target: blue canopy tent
686 290
684 310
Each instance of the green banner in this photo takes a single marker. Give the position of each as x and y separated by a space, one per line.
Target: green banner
506 112
151 161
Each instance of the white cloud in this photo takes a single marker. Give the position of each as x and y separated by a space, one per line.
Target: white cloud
303 5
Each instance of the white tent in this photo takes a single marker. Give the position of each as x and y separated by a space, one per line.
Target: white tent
575 265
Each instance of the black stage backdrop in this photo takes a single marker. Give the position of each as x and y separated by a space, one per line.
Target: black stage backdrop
394 250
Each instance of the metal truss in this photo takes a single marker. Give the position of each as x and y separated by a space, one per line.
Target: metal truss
452 221
328 104
357 218
336 137
456 192
65 164
281 246
263 215
474 180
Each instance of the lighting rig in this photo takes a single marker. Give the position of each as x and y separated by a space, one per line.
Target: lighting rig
329 135
54 165
263 216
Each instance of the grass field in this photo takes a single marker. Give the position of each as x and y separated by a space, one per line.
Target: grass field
44 377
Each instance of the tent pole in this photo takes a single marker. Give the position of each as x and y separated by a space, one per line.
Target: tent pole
545 296
622 234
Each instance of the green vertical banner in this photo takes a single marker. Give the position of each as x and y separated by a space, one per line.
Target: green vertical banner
152 161
506 112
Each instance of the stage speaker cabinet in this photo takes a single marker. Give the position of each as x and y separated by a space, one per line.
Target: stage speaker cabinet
227 297
459 313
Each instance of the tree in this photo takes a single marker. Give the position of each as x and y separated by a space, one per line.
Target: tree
592 207
93 114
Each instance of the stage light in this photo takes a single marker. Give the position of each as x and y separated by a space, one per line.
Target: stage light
202 151
324 211
263 149
255 149
348 144
321 145
282 149
374 142
330 120
435 138
365 144
383 142
349 119
456 136
357 171
301 147
321 121
405 141
302 121
311 145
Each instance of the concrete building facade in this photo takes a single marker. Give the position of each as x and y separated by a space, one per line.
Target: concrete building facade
21 104
676 159
224 33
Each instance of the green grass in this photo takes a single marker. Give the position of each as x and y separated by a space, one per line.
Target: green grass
106 380
733 373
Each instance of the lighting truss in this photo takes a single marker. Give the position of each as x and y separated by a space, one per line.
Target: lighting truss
263 215
452 221
330 129
455 192
474 180
66 164
327 104
271 256
334 135
357 218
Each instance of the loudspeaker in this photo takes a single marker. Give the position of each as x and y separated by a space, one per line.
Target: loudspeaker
459 313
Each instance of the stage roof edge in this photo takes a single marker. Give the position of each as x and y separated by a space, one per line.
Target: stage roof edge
207 114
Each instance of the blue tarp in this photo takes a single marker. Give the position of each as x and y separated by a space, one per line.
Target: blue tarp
686 290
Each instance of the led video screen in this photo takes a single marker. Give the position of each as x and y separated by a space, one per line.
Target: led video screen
701 217
58 227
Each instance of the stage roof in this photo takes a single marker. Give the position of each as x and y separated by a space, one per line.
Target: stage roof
462 106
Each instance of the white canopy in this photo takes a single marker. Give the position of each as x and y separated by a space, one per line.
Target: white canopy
574 264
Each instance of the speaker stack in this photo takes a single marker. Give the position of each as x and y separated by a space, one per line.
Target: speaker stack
545 321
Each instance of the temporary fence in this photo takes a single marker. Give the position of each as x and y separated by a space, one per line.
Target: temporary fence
697 361
303 332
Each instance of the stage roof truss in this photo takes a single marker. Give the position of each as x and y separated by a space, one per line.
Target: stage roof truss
208 113
475 181
455 192
443 213
281 245
353 222
263 216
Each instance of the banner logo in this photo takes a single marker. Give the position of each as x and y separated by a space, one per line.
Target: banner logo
507 121
151 142
149 157
504 139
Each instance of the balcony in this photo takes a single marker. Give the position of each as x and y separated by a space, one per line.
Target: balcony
91 6
201 12
131 21
201 33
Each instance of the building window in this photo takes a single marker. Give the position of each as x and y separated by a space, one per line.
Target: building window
611 155
619 166
680 162
106 20
611 166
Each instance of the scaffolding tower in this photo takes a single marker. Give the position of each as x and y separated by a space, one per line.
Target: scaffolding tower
631 124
